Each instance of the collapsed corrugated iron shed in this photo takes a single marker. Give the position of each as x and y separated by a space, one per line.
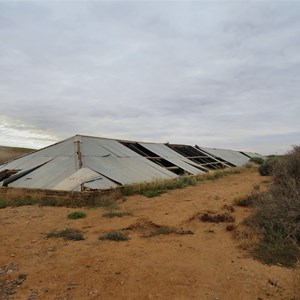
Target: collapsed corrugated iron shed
84 162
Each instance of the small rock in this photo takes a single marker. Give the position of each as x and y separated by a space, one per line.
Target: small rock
72 284
94 293
13 255
21 278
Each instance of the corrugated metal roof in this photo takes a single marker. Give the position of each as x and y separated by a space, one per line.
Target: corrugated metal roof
49 175
234 157
100 163
252 154
127 170
173 157
104 147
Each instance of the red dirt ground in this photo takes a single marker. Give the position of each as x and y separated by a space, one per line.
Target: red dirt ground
205 265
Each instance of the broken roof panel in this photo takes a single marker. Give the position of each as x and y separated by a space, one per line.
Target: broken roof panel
234 157
87 177
173 157
252 154
198 157
127 170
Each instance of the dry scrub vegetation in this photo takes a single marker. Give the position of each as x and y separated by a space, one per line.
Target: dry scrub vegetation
275 221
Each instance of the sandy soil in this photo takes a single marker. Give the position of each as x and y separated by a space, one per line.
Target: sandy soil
205 265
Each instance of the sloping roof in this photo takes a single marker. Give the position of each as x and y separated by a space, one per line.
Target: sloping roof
236 158
253 154
83 162
95 162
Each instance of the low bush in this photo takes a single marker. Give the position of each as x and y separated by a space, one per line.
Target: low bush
162 230
118 214
248 201
152 194
257 160
76 215
269 165
114 236
67 234
217 218
3 203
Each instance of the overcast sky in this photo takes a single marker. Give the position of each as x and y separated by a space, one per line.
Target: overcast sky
213 73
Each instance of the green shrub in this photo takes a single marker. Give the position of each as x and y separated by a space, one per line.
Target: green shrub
67 234
257 160
3 203
76 215
113 214
114 236
269 165
152 194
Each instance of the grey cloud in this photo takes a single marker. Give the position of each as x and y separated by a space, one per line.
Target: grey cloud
222 73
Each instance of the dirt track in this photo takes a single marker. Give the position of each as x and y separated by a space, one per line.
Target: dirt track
204 265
